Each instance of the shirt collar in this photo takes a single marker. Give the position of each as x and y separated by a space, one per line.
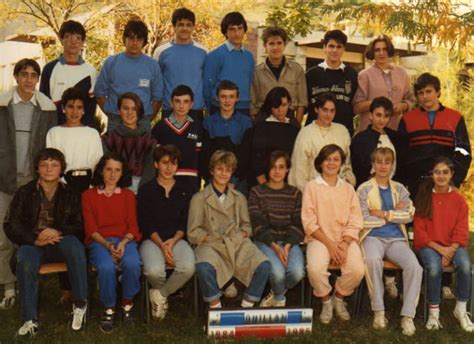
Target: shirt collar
272 118
231 47
172 118
325 66
320 180
17 99
449 190
101 191
441 108
218 193
63 60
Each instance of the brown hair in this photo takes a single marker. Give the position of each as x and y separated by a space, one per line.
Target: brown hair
167 150
370 50
382 151
274 156
136 99
274 32
325 152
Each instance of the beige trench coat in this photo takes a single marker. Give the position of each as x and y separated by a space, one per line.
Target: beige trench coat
225 248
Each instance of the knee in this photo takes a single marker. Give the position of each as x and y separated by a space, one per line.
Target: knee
264 268
188 269
155 272
131 264
25 261
357 271
374 262
464 268
433 270
278 272
315 269
205 270
105 268
296 274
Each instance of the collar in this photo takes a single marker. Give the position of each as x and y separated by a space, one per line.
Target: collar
449 190
218 193
385 71
231 47
63 61
272 118
441 108
173 42
172 118
325 66
17 99
320 180
101 191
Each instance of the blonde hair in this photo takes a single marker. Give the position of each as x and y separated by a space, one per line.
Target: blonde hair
223 157
382 152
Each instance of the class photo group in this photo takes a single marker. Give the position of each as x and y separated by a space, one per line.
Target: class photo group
240 174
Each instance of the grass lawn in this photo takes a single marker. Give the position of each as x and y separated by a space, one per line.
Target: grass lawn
181 326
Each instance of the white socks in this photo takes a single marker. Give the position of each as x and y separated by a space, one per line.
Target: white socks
460 307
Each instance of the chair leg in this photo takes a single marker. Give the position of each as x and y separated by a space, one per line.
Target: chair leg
425 296
302 296
471 300
309 295
196 296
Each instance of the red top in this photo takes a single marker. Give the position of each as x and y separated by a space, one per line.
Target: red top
111 216
449 223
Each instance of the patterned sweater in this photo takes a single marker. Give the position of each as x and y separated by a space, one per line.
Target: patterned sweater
276 214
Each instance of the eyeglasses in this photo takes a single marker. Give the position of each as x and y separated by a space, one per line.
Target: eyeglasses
442 172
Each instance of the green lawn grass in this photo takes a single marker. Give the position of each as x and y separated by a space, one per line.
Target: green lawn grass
181 326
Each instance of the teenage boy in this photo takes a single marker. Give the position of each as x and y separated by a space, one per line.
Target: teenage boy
70 70
181 130
224 129
277 70
163 205
230 61
430 131
130 71
219 225
376 135
171 55
332 75
26 115
45 221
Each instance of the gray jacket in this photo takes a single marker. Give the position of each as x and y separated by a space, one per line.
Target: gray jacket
44 117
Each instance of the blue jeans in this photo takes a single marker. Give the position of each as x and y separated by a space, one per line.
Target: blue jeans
210 290
29 258
281 278
130 264
431 261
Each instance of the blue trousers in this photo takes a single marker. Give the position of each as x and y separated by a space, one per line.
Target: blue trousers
462 271
130 265
281 278
210 290
29 258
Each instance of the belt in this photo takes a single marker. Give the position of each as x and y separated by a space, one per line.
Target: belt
79 173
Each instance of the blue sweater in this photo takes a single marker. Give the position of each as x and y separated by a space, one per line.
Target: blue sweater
234 65
182 64
121 73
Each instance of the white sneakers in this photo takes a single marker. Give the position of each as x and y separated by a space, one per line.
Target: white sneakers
270 301
28 328
408 326
380 322
336 306
391 287
464 319
78 317
159 304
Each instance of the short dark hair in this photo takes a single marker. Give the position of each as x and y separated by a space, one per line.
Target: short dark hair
72 26
325 152
166 150
183 13
425 80
370 50
337 35
136 99
273 100
136 28
323 98
72 93
49 153
25 63
232 18
98 178
182 90
227 85
274 156
382 102
274 31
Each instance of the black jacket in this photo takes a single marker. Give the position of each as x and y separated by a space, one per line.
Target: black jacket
24 208
362 146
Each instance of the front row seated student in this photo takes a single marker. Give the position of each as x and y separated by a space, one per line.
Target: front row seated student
219 225
224 130
111 236
131 139
441 236
275 214
181 130
386 208
332 220
80 144
163 205
376 135
44 220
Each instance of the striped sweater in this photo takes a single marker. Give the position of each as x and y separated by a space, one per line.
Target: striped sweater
276 214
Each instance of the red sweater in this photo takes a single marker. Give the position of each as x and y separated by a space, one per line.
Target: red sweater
449 223
113 216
